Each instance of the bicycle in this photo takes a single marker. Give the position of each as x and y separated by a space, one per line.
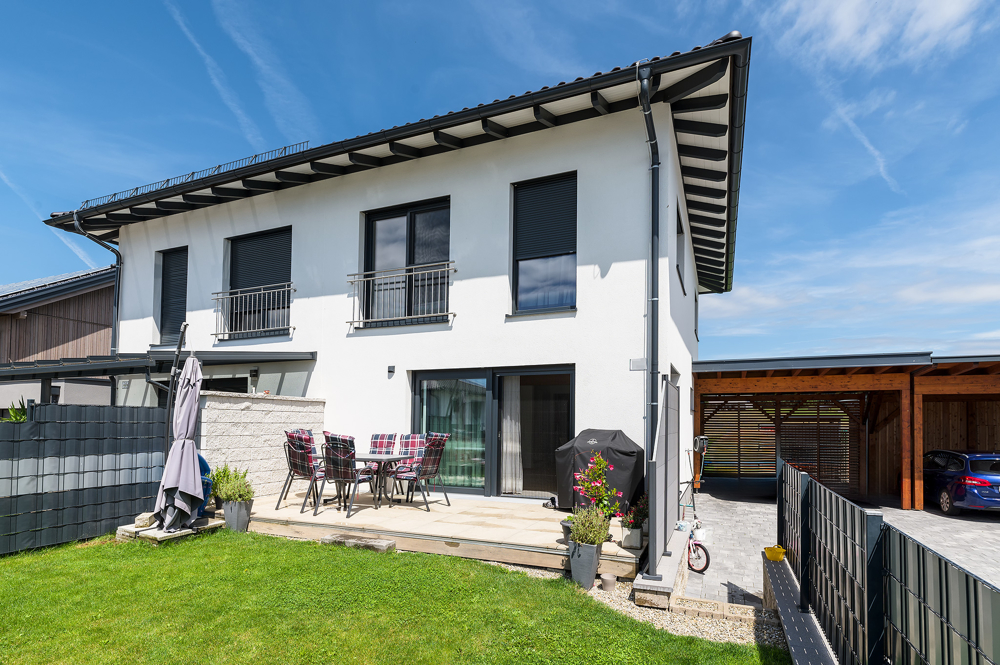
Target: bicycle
698 557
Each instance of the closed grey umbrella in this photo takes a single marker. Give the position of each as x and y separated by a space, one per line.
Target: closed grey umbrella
180 492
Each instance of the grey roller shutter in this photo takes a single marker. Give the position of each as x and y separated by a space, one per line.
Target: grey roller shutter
173 294
261 259
545 217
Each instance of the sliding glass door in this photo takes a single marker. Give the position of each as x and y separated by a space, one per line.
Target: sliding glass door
535 419
505 424
457 406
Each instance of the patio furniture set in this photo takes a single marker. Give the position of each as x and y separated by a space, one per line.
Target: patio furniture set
418 461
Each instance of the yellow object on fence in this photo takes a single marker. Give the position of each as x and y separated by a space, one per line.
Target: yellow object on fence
776 553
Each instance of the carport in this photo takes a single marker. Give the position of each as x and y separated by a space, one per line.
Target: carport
860 424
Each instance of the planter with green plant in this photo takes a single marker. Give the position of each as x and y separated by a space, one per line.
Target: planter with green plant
237 499
632 524
219 477
588 533
566 525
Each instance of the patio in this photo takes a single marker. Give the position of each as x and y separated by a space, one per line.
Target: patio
518 531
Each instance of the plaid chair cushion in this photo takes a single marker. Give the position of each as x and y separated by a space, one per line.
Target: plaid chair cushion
413 445
300 460
433 451
306 436
338 457
382 444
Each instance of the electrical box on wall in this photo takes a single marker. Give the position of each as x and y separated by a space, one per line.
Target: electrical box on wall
637 365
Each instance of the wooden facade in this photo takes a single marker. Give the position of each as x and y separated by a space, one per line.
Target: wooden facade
74 327
907 410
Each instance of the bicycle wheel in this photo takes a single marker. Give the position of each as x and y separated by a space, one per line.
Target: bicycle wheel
698 558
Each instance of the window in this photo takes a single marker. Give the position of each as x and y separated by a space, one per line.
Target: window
681 250
407 266
545 244
173 293
259 298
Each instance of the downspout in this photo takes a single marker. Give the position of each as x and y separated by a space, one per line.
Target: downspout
77 224
653 319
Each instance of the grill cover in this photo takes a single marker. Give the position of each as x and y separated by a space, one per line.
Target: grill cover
621 452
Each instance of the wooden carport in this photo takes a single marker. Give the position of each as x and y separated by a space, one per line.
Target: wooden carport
897 401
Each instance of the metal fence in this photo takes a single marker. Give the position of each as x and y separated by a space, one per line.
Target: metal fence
878 594
73 472
414 294
935 611
253 312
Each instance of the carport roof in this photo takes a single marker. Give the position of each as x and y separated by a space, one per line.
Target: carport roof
918 364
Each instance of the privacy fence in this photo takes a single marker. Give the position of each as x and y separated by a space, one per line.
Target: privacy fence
73 472
879 595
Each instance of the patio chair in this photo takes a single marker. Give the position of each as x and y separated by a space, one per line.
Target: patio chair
303 463
413 445
340 468
428 469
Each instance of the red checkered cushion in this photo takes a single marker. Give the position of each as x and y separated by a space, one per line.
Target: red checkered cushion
382 444
412 445
338 457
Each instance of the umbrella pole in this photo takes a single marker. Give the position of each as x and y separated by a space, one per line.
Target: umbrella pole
170 388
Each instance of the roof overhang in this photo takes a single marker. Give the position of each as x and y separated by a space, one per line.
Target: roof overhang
48 293
706 89
915 364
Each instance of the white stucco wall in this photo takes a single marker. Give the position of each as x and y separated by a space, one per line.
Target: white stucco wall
608 329
248 432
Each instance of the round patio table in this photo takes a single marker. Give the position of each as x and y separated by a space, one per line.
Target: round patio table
384 460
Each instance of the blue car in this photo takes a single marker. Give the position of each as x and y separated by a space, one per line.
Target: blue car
962 479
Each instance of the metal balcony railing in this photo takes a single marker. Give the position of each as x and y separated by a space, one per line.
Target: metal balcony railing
259 311
417 294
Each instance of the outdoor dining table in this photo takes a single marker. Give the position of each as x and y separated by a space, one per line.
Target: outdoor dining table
384 460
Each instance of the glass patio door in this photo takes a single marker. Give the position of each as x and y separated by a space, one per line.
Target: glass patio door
535 418
457 405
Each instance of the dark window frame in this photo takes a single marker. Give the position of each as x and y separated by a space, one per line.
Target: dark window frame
515 268
255 334
410 211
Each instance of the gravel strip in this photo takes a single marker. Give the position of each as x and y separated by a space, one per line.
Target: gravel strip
716 630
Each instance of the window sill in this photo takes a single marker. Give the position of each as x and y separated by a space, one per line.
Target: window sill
281 333
571 311
396 323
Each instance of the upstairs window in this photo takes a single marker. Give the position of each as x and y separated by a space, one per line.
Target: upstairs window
681 251
545 244
407 265
173 293
258 301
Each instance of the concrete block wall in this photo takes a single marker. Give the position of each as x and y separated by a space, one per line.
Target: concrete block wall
247 431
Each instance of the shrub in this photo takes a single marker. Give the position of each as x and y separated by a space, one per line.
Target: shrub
637 514
18 413
590 526
591 483
233 485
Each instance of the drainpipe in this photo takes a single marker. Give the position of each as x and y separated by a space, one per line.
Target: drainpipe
78 225
645 75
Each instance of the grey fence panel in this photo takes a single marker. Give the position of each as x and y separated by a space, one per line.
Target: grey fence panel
793 516
76 472
935 611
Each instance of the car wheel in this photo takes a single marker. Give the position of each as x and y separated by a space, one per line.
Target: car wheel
948 506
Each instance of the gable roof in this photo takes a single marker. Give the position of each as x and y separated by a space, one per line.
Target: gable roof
706 88
20 296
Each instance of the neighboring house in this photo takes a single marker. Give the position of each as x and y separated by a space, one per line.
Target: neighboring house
66 316
486 272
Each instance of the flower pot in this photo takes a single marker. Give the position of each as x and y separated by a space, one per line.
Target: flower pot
608 582
583 562
237 514
218 503
631 538
567 528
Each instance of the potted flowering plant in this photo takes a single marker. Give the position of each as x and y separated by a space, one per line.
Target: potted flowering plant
632 523
237 500
589 532
591 483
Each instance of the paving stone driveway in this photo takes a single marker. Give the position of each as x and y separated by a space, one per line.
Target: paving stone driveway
971 540
740 520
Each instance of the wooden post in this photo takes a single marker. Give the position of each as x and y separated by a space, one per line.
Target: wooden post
906 449
918 451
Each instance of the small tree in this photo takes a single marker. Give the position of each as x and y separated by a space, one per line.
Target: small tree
592 484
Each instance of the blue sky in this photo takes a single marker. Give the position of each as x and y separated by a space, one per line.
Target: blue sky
870 204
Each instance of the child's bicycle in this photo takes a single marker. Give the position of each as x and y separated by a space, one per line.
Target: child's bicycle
698 558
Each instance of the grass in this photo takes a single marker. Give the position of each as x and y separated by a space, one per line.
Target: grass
240 598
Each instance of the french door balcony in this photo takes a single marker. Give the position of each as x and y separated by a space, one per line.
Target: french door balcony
398 296
259 311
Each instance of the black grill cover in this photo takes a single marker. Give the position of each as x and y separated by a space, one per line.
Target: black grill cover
621 452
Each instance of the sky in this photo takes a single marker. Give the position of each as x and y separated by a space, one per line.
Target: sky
869 216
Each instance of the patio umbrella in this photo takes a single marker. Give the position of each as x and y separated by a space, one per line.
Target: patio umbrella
180 492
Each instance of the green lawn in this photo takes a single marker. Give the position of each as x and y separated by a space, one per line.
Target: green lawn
246 598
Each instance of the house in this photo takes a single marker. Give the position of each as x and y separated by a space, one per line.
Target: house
57 317
511 273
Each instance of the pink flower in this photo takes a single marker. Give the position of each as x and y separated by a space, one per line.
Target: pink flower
618 514
611 467
591 459
619 494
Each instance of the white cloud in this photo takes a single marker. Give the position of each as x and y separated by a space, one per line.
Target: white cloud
63 236
218 78
861 33
288 106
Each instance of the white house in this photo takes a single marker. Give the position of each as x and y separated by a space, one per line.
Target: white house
487 272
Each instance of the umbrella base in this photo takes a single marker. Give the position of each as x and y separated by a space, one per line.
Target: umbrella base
156 536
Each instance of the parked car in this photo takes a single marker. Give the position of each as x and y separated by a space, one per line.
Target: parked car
962 479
